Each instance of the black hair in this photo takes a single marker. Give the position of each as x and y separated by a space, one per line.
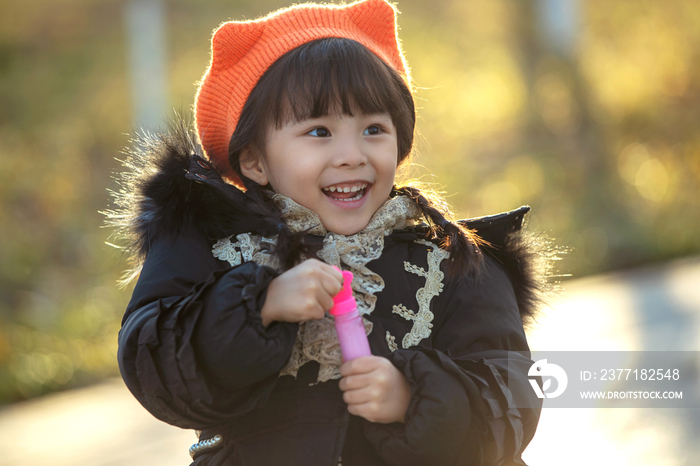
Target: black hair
337 75
316 79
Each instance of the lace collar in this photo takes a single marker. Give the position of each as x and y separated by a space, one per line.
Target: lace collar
396 213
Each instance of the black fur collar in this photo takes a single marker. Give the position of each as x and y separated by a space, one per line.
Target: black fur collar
167 187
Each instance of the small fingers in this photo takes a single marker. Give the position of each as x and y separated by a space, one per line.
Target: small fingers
310 309
361 365
337 273
325 301
318 312
362 396
369 411
332 281
355 382
322 281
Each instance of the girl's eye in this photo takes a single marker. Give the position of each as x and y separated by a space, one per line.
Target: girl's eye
320 132
373 130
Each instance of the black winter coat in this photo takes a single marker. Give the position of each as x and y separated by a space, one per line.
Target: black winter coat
194 352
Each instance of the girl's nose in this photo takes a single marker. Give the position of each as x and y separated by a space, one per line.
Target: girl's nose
350 153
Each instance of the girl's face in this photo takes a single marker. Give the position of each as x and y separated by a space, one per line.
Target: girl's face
341 167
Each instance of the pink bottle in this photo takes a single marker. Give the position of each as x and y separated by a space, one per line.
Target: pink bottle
348 323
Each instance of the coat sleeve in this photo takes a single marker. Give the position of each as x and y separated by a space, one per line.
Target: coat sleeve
471 402
192 348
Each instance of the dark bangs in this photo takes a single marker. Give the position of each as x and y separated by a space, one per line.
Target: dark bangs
332 75
326 76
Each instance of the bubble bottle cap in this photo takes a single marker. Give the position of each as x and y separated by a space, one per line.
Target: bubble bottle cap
344 302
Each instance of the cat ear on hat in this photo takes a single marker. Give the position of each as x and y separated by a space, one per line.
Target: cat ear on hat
232 41
377 19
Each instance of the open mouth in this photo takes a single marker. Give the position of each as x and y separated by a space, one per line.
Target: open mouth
347 192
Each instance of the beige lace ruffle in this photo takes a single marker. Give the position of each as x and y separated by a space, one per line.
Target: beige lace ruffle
317 339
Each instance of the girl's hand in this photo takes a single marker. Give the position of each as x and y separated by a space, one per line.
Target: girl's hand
375 390
303 292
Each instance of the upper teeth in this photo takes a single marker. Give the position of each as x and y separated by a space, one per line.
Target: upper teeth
346 189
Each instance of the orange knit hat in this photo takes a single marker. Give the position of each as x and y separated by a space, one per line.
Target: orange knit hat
243 51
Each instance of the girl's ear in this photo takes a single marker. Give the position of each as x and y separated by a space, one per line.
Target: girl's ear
252 166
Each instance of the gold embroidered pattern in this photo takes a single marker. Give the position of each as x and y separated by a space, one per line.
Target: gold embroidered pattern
404 312
422 321
227 251
248 248
414 269
391 341
422 324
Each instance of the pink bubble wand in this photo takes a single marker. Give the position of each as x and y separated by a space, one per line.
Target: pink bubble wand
348 322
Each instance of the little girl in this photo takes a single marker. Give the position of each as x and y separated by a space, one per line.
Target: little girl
302 119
